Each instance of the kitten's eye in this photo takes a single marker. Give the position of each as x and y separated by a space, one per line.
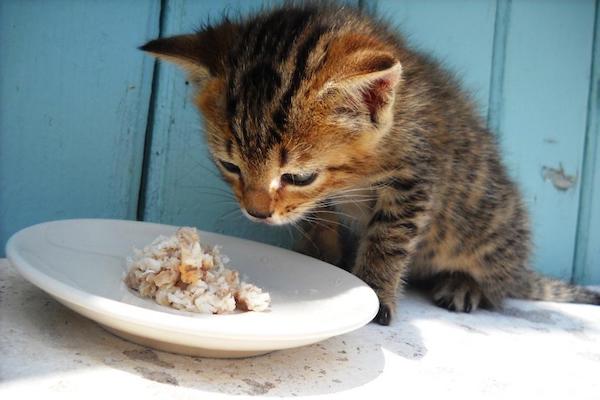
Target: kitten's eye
299 179
229 167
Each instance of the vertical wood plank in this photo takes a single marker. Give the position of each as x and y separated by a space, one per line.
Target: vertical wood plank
501 26
543 118
74 96
182 185
587 251
459 33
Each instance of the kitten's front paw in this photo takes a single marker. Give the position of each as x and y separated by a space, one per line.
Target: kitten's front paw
387 307
386 294
384 315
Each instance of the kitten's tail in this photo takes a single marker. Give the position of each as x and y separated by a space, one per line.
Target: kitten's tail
533 286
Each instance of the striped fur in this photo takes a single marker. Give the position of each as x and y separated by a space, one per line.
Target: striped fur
409 183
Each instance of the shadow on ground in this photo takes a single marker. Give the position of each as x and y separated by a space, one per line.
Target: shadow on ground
34 323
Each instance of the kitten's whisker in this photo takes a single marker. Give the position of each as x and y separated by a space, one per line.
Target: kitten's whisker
289 231
210 191
216 189
208 169
352 196
319 224
310 214
218 195
338 213
340 202
361 188
348 198
361 209
297 226
328 208
354 200
228 214
354 189
318 221
196 163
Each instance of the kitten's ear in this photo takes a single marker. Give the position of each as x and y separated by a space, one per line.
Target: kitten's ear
369 86
201 54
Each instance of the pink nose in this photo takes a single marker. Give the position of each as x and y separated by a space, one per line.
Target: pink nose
258 203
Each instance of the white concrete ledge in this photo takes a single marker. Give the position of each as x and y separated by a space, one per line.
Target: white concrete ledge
530 350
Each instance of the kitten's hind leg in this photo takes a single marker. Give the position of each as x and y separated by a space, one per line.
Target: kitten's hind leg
457 291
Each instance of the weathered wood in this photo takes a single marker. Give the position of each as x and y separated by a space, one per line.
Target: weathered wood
587 256
74 95
543 118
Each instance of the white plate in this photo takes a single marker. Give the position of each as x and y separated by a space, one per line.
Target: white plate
82 264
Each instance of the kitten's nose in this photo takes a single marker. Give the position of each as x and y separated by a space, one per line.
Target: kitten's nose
258 214
258 204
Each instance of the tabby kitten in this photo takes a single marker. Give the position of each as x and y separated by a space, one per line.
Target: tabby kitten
322 113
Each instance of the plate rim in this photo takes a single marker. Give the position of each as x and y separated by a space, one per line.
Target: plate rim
141 316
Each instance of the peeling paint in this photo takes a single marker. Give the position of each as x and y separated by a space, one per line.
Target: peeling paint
559 178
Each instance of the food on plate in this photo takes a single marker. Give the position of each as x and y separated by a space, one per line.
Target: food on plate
180 272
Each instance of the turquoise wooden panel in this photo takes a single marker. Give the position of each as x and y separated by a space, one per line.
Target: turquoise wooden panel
182 185
587 257
74 94
543 118
460 33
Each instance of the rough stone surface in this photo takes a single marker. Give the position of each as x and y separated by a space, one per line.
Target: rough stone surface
529 350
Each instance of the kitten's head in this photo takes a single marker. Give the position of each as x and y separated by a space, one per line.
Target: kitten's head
295 103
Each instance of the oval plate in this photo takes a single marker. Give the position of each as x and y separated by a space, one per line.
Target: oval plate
81 263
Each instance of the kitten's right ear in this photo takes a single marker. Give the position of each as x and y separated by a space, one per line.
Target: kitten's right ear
201 54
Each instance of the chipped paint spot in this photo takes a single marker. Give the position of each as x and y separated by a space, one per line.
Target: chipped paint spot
559 178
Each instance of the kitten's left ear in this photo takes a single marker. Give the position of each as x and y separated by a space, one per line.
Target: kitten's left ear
201 54
369 86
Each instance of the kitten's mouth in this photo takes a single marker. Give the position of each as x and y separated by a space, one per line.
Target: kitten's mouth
272 220
268 220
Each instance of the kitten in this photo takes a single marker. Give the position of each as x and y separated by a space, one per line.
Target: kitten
323 114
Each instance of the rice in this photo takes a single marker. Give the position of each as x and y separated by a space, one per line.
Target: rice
177 271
